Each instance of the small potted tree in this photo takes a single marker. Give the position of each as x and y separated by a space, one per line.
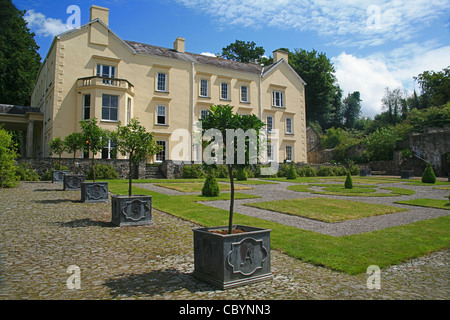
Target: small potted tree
94 139
233 255
57 147
133 140
72 143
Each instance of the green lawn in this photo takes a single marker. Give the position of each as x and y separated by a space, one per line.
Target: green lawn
358 190
432 203
327 210
349 254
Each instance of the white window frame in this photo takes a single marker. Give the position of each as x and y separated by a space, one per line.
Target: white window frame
110 74
129 102
204 88
278 99
225 91
244 95
270 152
110 147
161 82
159 113
289 127
110 107
290 153
269 128
158 155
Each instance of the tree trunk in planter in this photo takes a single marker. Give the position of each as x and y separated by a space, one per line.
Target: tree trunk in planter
231 260
133 210
73 181
94 191
58 175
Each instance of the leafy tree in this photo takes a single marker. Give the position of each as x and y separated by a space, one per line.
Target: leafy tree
94 137
222 118
243 51
351 109
133 140
435 87
382 143
72 143
316 69
19 58
394 103
8 178
57 146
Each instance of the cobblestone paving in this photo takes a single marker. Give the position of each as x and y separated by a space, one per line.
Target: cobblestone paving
44 230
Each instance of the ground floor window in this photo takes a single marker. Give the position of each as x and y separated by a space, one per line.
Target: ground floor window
289 153
161 156
109 151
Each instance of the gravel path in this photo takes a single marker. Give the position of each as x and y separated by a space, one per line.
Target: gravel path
44 230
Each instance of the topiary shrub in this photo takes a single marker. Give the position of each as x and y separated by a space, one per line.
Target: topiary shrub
348 181
308 171
339 171
241 174
428 175
210 187
291 173
325 171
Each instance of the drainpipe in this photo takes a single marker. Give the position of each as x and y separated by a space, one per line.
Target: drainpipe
43 122
192 111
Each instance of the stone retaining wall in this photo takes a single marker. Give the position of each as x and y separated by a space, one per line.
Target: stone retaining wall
41 165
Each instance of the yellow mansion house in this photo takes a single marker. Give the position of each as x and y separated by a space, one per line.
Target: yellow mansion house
91 72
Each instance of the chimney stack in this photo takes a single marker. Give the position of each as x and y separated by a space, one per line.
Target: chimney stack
178 44
280 54
99 12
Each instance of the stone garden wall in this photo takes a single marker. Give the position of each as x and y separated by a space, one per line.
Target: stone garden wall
41 165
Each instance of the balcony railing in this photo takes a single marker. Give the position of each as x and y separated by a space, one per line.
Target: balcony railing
104 81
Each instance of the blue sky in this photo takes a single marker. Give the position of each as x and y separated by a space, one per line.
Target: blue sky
372 44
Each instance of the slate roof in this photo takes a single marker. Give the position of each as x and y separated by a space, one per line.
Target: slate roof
142 48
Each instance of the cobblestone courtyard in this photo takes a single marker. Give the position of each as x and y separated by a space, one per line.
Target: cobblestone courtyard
44 231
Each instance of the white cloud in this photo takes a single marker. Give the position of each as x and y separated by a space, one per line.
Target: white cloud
208 54
395 69
43 26
347 22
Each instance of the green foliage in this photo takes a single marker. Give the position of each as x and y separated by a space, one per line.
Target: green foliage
348 181
8 178
57 146
292 172
307 171
194 171
210 187
382 143
428 174
74 142
325 171
340 171
351 109
243 51
94 137
47 176
241 174
435 87
25 173
102 171
19 57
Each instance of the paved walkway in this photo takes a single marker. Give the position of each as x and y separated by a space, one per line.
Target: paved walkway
44 231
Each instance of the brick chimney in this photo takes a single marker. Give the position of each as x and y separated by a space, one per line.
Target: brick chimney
280 54
178 44
99 12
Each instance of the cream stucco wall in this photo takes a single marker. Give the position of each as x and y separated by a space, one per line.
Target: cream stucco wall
75 55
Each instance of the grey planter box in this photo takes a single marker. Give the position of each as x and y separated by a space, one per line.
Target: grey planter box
58 175
232 260
131 211
365 172
94 191
72 181
407 174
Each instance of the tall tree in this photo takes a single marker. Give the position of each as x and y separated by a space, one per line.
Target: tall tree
435 87
19 57
243 51
393 102
318 72
352 109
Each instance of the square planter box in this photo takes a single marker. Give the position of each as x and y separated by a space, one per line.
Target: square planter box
365 172
407 174
94 191
231 260
131 211
72 181
58 175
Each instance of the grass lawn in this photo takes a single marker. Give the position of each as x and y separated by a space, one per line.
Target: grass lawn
433 203
361 191
327 210
349 254
197 186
